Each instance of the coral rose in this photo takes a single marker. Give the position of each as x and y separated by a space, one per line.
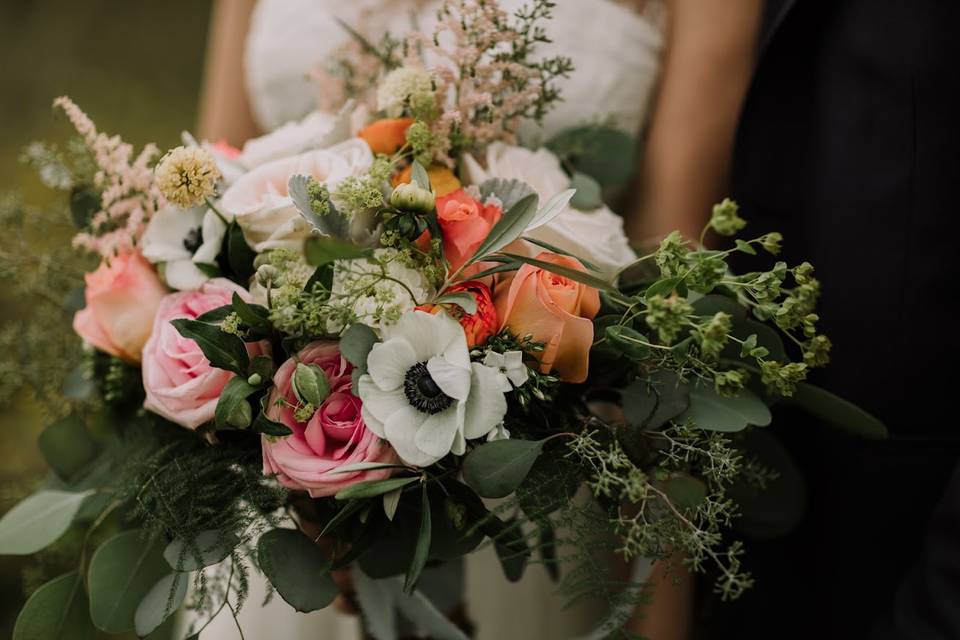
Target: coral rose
465 224
179 382
478 326
334 436
554 310
122 298
442 180
386 136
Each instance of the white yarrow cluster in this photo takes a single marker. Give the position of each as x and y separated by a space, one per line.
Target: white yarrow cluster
400 87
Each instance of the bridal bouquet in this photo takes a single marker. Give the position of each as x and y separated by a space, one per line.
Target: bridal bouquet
383 338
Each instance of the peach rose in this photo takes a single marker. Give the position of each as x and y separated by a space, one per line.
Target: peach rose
553 309
386 136
122 296
478 326
179 382
443 181
465 224
310 457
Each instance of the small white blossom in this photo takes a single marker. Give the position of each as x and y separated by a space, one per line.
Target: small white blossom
181 240
509 364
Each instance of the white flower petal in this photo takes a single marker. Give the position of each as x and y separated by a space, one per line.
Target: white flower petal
486 405
432 334
377 402
452 380
213 232
183 275
389 361
375 425
401 430
163 238
436 435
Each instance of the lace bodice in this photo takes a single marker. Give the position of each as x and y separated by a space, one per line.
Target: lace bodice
616 51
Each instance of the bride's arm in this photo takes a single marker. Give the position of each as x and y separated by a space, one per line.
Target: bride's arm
224 109
707 68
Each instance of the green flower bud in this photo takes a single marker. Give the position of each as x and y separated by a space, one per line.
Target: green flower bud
267 275
772 242
725 219
412 197
255 379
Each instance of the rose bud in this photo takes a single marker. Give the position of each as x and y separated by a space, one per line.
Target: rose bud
478 326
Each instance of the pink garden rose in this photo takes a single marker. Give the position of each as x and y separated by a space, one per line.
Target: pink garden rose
122 298
333 437
180 383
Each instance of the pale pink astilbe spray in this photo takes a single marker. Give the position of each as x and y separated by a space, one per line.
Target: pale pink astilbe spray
128 197
486 77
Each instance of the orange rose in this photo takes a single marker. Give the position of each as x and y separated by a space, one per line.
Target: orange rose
441 179
477 326
554 310
386 136
465 224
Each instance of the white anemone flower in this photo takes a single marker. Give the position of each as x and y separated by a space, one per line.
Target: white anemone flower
178 240
422 394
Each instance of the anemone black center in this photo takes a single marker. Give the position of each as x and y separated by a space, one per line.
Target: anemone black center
423 392
194 240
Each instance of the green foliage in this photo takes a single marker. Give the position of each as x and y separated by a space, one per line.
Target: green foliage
39 520
56 611
122 572
223 350
495 469
163 599
67 447
297 568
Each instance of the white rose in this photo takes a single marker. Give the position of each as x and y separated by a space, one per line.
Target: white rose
316 131
264 210
596 236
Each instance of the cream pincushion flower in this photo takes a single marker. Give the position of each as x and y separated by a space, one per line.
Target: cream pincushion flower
187 176
402 86
422 393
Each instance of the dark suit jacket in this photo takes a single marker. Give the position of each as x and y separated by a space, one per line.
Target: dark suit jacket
849 144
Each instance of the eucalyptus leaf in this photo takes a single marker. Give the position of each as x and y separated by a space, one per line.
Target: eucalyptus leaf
122 572
462 299
685 491
837 412
421 552
160 603
212 546
777 508
589 196
321 250
710 411
223 350
628 341
39 521
356 343
297 568
495 469
372 488
67 447
512 550
711 304
601 151
58 610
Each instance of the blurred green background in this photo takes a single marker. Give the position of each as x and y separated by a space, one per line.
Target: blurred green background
135 68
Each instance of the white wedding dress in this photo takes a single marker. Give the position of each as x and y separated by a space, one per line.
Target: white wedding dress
617 54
